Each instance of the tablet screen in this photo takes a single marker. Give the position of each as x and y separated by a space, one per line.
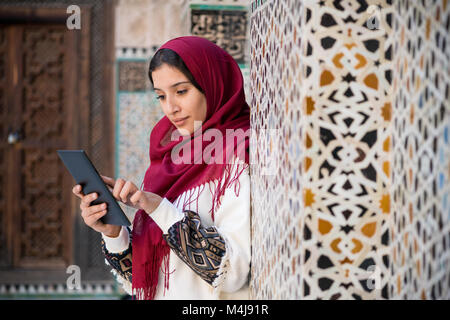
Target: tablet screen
85 174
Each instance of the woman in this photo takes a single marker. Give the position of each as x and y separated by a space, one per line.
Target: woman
191 234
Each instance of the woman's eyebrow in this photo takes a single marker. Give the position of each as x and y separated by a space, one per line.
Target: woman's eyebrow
174 85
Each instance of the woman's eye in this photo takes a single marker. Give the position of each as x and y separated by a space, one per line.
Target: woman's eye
181 91
160 97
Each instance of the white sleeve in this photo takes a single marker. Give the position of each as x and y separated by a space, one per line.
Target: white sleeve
232 221
118 244
166 214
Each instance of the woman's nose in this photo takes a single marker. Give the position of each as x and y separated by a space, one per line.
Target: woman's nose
172 106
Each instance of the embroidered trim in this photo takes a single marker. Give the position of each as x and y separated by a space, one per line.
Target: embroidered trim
126 285
121 264
202 249
223 270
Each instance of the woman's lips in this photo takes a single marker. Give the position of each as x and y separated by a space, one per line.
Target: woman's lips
178 123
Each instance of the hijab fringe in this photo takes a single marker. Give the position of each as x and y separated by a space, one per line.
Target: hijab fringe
229 177
147 290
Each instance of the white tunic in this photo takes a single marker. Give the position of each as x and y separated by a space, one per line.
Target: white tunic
232 221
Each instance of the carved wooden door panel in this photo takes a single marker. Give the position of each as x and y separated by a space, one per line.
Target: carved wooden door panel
37 118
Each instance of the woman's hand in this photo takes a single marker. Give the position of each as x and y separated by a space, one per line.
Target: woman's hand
92 214
129 194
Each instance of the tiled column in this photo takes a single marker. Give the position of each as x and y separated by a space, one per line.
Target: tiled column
358 93
420 215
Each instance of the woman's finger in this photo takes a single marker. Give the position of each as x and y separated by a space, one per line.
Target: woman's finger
87 212
86 200
126 190
109 181
136 197
94 209
77 191
118 188
93 218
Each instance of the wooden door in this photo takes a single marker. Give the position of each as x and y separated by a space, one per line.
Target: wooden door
37 119
43 102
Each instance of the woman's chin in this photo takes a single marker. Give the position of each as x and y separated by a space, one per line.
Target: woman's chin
183 130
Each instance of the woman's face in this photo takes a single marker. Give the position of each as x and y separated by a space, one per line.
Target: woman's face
179 99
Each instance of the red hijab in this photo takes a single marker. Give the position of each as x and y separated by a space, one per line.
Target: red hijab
219 76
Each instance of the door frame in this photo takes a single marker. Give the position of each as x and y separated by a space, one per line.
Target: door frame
81 126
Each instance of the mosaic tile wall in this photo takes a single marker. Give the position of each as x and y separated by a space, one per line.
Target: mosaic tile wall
420 215
357 94
136 115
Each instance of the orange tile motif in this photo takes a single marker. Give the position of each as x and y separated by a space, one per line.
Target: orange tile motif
367 114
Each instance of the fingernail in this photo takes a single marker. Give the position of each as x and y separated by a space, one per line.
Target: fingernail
104 205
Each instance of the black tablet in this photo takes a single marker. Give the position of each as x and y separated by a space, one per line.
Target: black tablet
85 174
